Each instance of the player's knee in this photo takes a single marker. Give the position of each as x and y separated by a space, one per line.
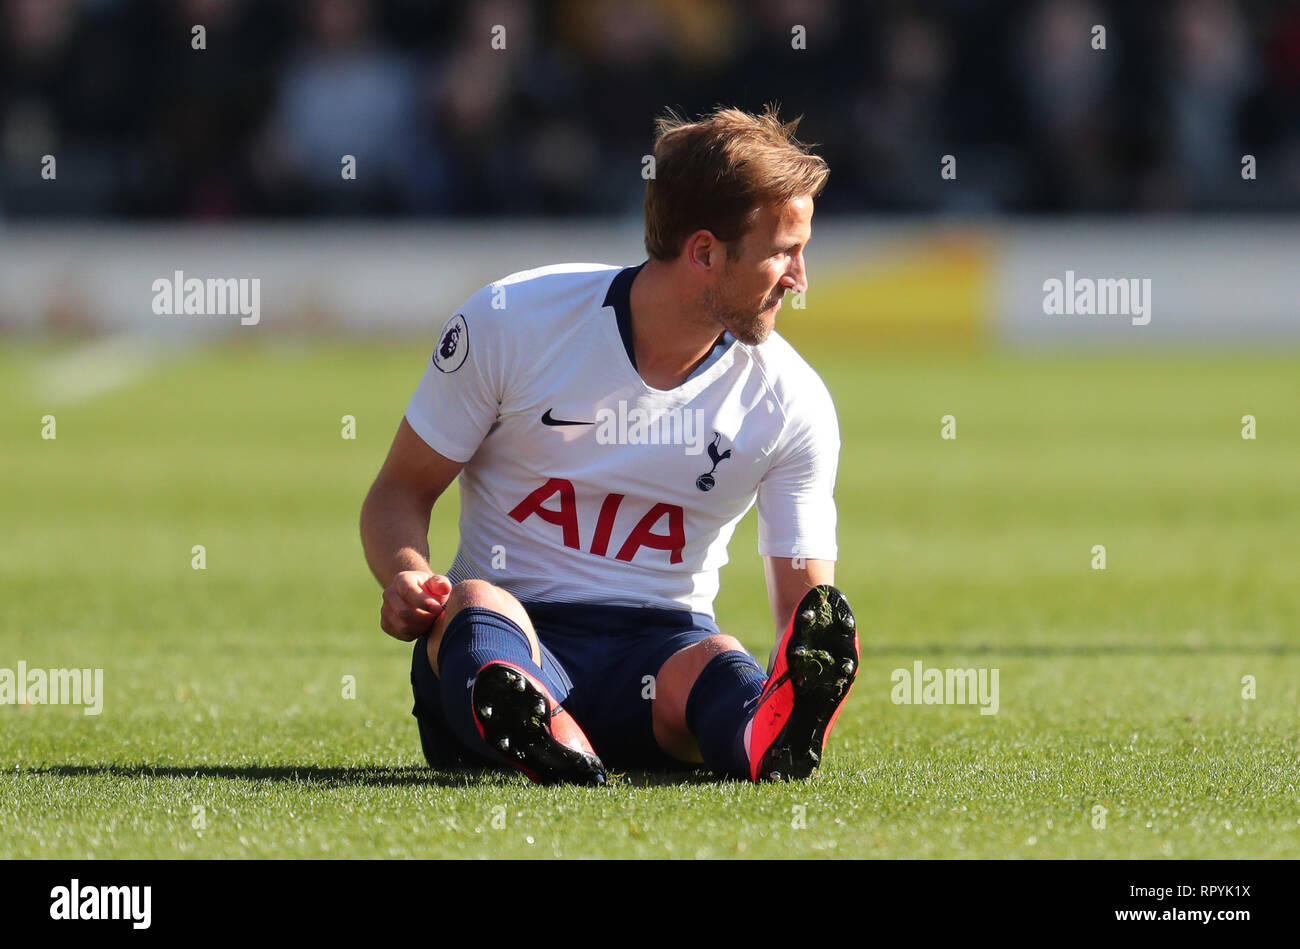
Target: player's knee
711 646
473 593
678 675
479 593
486 595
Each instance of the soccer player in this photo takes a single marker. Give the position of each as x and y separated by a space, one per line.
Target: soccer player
610 426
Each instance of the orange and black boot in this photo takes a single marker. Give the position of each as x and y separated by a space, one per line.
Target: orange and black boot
816 662
520 720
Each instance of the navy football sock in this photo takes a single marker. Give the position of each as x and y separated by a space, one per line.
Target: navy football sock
720 707
474 637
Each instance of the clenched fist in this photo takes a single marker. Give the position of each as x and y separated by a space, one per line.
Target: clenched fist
413 603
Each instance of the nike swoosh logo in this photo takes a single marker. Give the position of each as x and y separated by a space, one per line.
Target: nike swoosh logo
547 420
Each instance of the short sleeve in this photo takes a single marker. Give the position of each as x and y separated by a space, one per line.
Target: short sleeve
796 498
459 396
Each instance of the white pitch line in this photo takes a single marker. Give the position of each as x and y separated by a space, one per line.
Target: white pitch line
99 368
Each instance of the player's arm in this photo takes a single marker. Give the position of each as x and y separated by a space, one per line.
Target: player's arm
788 579
450 413
395 533
796 504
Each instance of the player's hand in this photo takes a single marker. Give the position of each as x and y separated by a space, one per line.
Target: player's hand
413 603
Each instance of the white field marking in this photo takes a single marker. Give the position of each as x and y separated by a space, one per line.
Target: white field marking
98 368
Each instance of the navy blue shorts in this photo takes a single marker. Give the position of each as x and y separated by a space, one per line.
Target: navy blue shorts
597 661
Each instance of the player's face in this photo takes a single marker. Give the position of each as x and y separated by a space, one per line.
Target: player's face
771 262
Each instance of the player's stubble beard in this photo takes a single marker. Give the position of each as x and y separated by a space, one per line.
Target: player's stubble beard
750 327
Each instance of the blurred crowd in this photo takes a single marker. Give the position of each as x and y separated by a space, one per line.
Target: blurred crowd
443 122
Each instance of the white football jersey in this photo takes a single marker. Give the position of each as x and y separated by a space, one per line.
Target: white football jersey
584 484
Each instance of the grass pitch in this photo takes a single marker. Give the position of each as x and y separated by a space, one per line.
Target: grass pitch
1122 730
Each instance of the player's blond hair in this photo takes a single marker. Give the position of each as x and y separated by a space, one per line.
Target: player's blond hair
715 173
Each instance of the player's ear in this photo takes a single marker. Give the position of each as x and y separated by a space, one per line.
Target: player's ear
703 250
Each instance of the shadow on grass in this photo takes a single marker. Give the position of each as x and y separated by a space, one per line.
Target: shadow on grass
355 777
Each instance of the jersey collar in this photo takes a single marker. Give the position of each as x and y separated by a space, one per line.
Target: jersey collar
619 297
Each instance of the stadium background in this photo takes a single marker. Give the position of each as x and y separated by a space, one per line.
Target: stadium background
1122 689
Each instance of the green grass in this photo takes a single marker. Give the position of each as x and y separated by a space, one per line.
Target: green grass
1118 688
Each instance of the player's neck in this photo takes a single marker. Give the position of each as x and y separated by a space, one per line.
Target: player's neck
668 336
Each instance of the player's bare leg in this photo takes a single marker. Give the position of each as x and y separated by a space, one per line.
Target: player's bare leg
484 594
673 689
